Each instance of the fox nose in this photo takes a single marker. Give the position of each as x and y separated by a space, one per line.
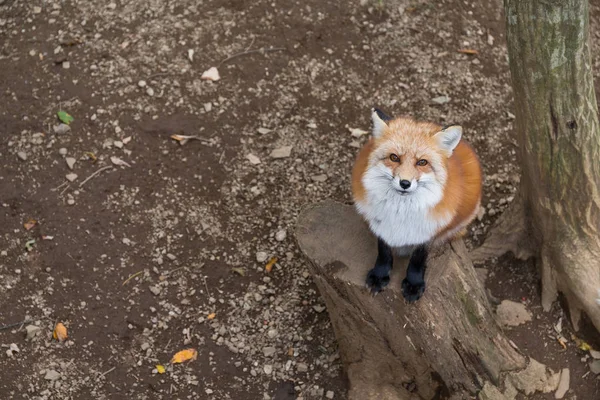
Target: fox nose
404 184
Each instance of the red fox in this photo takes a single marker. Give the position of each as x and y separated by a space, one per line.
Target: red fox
417 184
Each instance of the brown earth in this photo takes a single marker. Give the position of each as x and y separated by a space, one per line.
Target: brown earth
140 255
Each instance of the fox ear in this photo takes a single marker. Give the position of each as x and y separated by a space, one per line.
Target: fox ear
379 121
449 137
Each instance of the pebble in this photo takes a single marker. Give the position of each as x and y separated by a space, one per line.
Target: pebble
37 10
563 384
118 144
441 99
14 348
282 152
211 74
150 92
261 256
264 131
253 159
281 235
268 369
70 201
71 177
62 151
145 346
22 155
112 6
171 256
301 367
269 351
319 308
70 162
595 367
31 331
207 107
61 129
329 394
66 64
272 333
52 375
155 290
319 178
142 83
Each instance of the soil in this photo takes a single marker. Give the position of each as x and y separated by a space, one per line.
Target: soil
164 247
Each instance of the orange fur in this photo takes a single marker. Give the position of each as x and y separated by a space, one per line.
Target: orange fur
462 190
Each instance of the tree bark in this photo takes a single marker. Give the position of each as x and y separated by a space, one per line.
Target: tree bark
447 345
559 146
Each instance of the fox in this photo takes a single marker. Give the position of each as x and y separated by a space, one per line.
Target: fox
417 185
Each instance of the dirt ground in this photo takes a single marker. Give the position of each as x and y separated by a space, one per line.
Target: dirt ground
143 240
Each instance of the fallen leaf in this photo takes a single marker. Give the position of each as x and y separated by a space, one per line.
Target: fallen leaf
239 271
184 355
29 244
91 156
183 139
60 332
64 117
160 369
468 51
581 344
30 224
270 264
118 162
211 74
211 316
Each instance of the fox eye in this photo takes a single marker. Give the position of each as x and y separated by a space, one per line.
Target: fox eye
422 163
394 157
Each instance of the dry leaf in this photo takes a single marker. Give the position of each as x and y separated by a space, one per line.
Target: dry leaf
118 162
91 156
184 355
239 271
211 316
270 264
60 332
30 224
211 74
562 342
468 51
160 369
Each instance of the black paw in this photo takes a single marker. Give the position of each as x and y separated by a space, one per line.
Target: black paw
377 280
412 292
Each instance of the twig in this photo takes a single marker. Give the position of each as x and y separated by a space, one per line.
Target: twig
132 276
159 74
206 286
94 174
65 189
107 372
251 43
27 321
262 50
59 186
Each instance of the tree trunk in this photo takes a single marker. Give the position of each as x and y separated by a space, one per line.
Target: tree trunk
447 345
559 146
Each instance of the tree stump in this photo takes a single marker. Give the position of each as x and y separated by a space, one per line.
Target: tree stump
447 345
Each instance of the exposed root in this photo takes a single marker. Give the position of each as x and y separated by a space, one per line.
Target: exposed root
509 233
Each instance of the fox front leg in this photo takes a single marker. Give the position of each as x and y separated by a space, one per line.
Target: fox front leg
413 286
379 276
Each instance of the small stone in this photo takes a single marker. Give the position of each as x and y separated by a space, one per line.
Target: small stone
253 159
264 131
66 64
145 346
70 162
563 384
155 290
319 178
272 333
208 391
261 256
595 367
282 152
269 351
70 202
37 10
329 394
22 155
268 369
31 331
52 375
476 61
319 308
118 144
62 151
301 367
71 177
441 99
258 297
142 83
61 129
281 235
14 348
511 313
150 92
112 6
595 354
191 55
207 107
171 256
211 74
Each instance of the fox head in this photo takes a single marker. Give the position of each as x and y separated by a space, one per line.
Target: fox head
409 160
